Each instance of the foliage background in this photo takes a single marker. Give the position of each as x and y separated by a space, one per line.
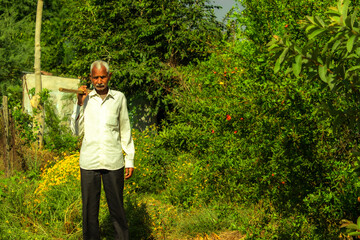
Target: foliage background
236 146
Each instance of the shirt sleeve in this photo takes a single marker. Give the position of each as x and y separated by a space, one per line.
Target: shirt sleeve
127 142
77 120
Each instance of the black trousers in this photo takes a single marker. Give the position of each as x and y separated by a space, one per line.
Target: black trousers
113 182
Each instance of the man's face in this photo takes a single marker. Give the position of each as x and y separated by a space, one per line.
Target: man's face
100 78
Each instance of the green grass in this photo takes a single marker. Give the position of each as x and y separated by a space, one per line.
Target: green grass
149 217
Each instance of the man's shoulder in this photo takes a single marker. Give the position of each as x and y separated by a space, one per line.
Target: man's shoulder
116 93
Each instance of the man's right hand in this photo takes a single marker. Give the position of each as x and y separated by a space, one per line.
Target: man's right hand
81 96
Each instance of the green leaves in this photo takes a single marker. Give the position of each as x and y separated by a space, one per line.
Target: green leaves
316 27
322 73
298 64
325 76
352 228
335 46
350 43
280 60
142 40
343 6
330 47
17 24
331 55
315 33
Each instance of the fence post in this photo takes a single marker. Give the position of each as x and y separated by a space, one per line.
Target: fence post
5 114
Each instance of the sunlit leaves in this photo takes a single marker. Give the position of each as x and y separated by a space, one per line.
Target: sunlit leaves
331 54
280 60
142 40
315 33
329 39
298 64
16 38
350 43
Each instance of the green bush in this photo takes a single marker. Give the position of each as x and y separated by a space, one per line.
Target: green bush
253 139
58 136
151 162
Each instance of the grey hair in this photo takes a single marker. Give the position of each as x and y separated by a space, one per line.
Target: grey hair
98 64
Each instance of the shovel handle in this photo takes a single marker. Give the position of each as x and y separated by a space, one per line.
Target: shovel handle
67 90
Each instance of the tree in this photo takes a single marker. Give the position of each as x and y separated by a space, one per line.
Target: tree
36 100
17 25
262 19
261 135
332 55
142 40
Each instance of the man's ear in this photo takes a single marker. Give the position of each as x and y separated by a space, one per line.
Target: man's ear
110 73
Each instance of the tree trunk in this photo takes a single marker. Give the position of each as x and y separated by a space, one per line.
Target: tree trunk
5 114
39 109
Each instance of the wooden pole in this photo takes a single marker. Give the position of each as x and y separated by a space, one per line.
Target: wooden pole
3 138
7 135
37 63
39 117
12 142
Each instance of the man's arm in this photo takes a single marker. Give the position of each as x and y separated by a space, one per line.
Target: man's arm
127 142
77 117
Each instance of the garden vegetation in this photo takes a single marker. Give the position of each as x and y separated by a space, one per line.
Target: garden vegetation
257 119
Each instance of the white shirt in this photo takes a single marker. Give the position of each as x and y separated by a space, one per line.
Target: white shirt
106 128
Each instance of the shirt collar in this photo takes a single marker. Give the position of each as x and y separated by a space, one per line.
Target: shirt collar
93 93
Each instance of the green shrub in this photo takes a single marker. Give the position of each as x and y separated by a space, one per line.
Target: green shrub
58 136
151 162
254 139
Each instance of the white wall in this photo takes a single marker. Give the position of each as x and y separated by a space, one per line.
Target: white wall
64 102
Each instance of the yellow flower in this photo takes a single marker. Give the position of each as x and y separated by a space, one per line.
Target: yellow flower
64 171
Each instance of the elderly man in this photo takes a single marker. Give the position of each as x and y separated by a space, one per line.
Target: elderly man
101 115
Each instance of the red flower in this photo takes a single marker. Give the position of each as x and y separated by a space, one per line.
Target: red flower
241 119
228 117
273 174
286 25
235 132
212 131
283 182
214 72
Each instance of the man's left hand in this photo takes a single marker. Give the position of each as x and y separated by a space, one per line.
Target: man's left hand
128 172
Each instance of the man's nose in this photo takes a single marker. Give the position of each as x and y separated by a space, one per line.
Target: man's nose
98 80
